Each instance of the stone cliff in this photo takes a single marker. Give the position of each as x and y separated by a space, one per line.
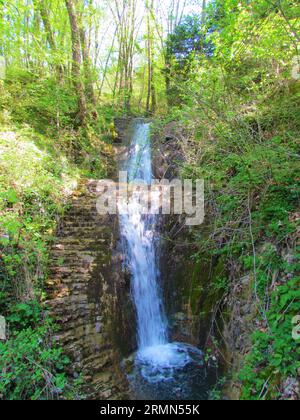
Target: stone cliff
89 293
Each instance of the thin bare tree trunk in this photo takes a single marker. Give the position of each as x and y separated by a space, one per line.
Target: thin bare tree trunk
125 15
77 62
87 68
87 63
203 11
106 67
41 7
151 94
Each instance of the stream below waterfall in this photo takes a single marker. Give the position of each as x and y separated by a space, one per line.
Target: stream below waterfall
160 369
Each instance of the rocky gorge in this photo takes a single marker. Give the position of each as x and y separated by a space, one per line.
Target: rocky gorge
90 295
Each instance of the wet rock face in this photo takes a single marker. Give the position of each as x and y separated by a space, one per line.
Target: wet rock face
186 282
121 126
177 269
167 152
87 294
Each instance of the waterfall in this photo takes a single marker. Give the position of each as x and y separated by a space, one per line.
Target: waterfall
138 231
162 369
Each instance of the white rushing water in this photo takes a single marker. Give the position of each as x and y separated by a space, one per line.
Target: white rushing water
158 356
162 369
138 231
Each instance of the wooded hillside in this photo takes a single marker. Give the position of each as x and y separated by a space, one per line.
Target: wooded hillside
226 73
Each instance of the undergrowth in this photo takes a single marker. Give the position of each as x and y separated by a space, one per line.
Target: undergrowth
248 155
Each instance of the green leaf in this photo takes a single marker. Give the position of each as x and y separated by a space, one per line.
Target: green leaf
11 196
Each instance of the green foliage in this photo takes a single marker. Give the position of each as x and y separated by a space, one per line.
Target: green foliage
41 100
34 185
42 158
32 367
24 315
33 180
41 161
275 354
185 48
241 117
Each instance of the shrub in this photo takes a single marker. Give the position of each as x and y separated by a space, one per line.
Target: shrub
32 366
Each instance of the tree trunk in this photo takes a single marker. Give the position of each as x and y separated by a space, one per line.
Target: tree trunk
89 88
168 74
77 62
41 7
151 94
203 11
125 16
